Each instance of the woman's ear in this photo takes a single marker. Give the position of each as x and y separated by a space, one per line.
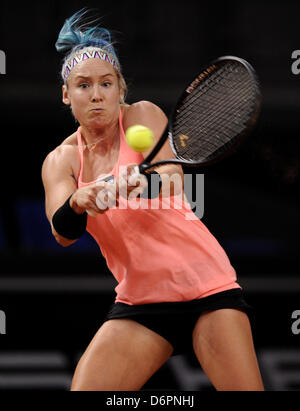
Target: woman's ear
65 95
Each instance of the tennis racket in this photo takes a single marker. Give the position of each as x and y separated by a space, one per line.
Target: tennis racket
215 112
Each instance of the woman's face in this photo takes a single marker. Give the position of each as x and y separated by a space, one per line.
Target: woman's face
93 93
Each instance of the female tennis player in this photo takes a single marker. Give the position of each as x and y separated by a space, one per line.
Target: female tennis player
177 290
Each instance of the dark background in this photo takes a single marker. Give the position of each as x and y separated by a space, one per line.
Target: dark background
54 298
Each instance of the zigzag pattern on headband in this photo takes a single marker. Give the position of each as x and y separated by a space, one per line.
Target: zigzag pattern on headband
84 55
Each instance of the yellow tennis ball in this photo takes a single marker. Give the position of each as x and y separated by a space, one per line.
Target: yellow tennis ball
139 138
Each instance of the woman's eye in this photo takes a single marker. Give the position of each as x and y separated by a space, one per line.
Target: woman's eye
106 84
83 85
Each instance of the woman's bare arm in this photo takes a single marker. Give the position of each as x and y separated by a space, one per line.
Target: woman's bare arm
59 184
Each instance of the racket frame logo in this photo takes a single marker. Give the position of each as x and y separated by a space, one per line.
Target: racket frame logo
198 79
183 138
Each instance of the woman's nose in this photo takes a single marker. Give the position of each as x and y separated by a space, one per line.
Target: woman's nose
96 94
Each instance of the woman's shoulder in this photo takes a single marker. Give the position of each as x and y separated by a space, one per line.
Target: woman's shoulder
142 111
65 153
69 143
141 106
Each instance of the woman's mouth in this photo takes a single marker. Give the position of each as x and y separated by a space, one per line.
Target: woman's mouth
97 110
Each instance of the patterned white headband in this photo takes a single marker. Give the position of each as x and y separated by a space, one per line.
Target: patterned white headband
85 55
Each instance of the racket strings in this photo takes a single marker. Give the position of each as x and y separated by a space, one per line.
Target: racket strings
218 109
210 120
213 94
220 121
217 93
210 125
214 122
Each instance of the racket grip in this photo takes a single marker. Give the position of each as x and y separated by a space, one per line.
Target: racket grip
142 168
109 179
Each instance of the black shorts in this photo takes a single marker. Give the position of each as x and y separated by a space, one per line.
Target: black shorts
175 321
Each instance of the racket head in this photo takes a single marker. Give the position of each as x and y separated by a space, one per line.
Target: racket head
216 111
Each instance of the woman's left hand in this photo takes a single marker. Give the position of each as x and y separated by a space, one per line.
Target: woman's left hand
130 182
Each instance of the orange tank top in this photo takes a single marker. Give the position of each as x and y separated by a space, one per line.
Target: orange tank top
157 255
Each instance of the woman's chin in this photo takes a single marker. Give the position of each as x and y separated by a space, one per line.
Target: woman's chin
95 123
